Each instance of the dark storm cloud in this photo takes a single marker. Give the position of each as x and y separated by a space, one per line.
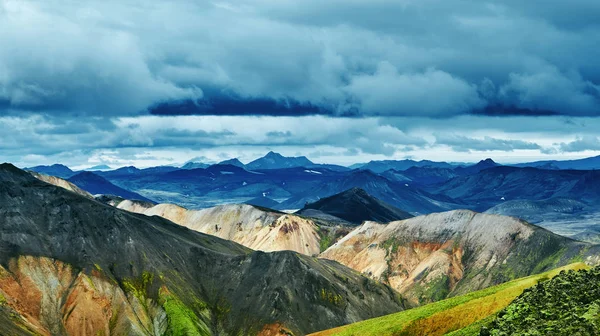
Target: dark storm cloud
461 143
431 58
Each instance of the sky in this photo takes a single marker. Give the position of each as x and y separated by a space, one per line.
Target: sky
149 82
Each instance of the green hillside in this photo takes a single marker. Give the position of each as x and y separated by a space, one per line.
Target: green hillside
569 304
461 315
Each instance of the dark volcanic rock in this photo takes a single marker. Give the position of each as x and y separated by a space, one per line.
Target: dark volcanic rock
355 206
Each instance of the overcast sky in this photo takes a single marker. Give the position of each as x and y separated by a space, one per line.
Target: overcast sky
341 81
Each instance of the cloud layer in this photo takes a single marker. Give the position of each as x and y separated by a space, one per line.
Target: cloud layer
120 82
397 58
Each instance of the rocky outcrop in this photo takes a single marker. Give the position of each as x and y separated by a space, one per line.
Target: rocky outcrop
52 298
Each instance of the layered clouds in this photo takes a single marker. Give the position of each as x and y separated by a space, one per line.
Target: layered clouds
388 78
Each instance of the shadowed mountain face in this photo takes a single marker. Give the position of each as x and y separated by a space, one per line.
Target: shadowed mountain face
401 195
57 170
354 206
497 185
96 185
71 265
444 254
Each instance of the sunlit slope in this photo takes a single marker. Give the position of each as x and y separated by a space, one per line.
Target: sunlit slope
459 315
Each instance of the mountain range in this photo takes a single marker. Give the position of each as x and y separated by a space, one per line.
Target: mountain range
410 260
492 186
72 265
383 165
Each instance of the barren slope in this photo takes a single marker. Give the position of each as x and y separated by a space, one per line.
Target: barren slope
438 255
258 229
57 181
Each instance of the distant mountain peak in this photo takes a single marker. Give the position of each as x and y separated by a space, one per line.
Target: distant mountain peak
272 154
488 161
233 162
274 160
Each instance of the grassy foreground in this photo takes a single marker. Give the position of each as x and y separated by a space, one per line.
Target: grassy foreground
461 315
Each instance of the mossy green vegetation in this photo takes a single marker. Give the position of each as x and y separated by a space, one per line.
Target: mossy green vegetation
331 297
325 241
568 304
182 320
461 313
139 286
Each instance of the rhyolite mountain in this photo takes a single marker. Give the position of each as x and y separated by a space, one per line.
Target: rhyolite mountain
400 195
257 228
71 265
57 170
353 206
57 181
431 257
496 185
277 161
97 185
